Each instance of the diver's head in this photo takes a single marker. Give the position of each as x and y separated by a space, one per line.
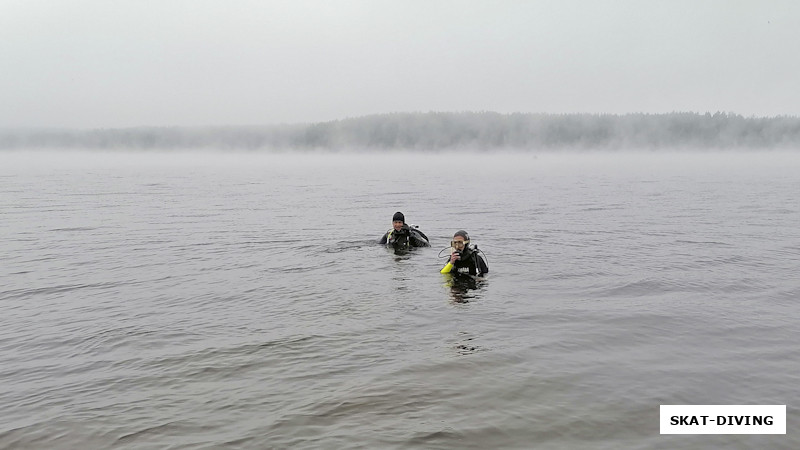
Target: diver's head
398 219
460 240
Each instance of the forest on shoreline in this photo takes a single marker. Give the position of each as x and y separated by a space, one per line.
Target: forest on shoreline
440 131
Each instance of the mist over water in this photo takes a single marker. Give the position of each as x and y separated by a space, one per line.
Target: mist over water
191 300
442 131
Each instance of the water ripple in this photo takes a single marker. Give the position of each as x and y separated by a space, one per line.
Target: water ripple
242 305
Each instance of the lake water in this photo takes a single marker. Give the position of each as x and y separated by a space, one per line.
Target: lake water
239 300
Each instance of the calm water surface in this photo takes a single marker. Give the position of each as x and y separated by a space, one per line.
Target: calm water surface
239 301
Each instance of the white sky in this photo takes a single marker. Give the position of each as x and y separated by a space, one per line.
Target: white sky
121 63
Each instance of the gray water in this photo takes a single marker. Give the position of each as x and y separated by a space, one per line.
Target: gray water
239 301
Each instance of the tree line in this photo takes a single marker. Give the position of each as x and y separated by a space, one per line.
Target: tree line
434 131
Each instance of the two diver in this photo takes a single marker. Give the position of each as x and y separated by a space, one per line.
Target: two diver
464 258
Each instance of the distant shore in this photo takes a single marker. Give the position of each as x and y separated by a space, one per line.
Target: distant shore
441 131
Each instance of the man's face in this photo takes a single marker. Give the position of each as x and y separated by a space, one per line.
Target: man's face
458 243
397 224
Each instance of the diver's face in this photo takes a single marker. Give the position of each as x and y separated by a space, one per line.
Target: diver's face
458 243
397 224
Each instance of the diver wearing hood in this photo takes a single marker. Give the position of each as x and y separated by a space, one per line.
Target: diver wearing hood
403 237
463 258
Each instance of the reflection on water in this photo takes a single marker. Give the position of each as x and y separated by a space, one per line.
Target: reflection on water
464 288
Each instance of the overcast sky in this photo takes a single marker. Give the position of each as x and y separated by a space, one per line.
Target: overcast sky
123 63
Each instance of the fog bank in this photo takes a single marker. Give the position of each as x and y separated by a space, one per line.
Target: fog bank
442 131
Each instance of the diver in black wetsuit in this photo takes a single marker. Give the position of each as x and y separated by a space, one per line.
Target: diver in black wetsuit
464 260
403 237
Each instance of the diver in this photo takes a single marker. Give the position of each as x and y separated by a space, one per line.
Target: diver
465 259
402 236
